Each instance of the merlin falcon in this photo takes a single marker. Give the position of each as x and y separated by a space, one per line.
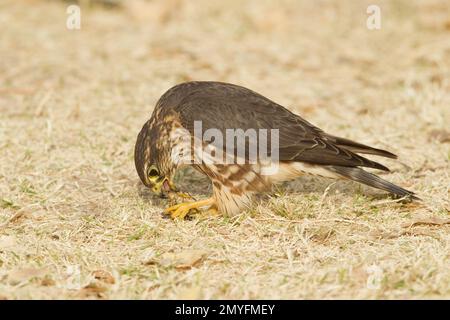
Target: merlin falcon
168 138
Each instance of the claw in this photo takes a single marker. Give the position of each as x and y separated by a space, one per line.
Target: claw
180 211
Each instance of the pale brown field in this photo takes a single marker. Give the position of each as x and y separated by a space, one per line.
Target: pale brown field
75 221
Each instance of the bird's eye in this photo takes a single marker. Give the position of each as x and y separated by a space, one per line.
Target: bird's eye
153 172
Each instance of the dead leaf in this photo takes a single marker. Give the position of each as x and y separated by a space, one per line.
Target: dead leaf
441 136
436 78
148 257
47 282
25 274
104 276
92 289
447 25
182 260
433 221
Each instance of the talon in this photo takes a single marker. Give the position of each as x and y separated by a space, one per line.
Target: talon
179 211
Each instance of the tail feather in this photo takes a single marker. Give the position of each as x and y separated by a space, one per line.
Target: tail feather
359 175
359 147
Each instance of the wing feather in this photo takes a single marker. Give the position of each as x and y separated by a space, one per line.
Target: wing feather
226 106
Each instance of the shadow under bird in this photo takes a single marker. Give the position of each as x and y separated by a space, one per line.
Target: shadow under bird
169 136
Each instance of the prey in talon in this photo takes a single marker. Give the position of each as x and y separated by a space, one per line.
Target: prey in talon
244 143
165 188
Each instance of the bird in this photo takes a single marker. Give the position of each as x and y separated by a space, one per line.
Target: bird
168 141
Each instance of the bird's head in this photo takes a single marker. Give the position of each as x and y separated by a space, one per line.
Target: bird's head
154 168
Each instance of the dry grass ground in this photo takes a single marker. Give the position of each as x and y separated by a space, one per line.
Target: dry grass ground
75 221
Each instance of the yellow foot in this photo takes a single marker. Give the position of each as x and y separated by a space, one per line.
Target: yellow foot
179 211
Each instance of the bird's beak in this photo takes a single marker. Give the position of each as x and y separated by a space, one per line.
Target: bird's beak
163 187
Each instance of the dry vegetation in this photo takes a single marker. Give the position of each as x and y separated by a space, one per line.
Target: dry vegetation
72 103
